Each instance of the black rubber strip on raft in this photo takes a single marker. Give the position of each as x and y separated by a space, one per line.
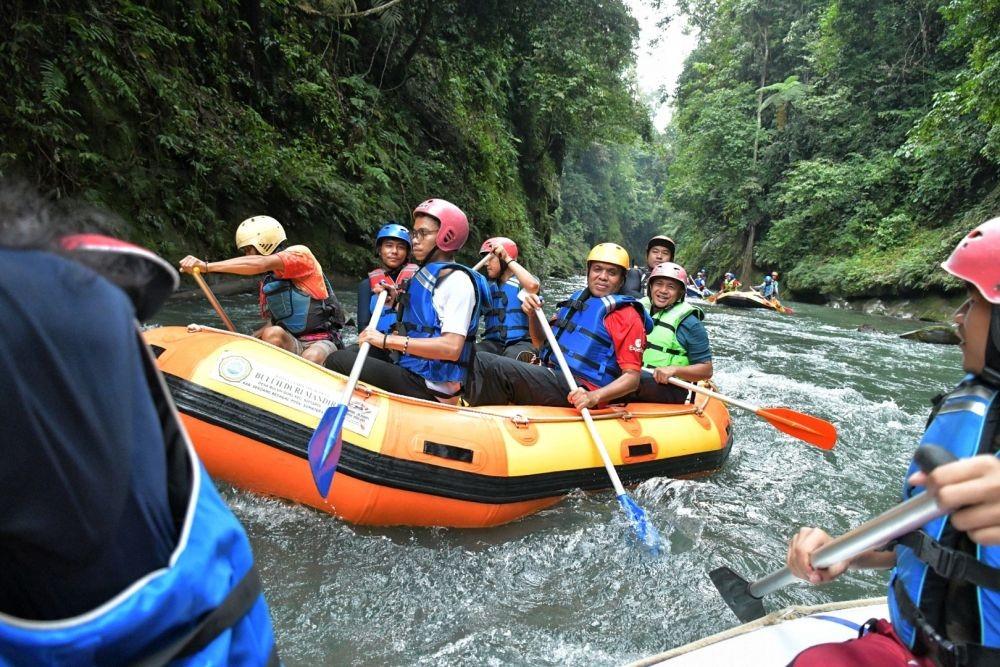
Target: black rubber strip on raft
291 437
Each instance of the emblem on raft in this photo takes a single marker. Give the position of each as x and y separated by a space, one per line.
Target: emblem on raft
234 368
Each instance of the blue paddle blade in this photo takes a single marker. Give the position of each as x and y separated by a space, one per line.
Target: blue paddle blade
644 528
325 445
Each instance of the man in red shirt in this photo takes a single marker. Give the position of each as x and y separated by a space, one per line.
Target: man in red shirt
602 335
294 295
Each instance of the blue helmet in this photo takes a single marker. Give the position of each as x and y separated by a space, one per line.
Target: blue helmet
729 275
393 230
767 279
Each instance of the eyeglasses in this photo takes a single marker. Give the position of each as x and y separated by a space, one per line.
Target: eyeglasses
421 234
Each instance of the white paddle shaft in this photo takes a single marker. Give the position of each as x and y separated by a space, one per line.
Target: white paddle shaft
708 392
594 435
359 362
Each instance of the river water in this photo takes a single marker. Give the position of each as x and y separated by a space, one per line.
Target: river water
570 585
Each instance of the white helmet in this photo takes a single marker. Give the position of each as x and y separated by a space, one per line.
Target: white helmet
262 232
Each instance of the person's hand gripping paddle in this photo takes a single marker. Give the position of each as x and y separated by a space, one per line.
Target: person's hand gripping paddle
644 528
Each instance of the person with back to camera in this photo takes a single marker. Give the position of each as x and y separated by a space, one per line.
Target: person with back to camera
117 549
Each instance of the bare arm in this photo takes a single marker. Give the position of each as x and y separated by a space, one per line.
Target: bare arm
251 265
528 282
530 304
446 347
692 373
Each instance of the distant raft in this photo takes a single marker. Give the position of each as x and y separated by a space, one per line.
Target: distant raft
250 409
748 300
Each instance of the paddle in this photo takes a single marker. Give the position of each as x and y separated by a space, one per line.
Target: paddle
745 599
805 427
326 441
644 529
196 272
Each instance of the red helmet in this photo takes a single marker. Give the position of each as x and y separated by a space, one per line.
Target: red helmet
668 270
454 229
976 259
490 244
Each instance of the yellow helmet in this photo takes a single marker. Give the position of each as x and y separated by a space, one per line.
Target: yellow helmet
611 253
262 232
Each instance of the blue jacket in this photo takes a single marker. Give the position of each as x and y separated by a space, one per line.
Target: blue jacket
930 562
420 320
204 607
294 310
579 329
505 322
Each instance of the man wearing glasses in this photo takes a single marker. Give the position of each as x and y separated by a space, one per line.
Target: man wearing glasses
439 317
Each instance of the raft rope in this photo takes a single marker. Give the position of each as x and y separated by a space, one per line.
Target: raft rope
516 419
787 614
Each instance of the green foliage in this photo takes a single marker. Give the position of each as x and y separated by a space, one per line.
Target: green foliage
877 140
186 118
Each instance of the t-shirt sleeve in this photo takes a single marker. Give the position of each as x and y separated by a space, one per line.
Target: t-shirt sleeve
294 264
693 337
454 300
300 266
629 337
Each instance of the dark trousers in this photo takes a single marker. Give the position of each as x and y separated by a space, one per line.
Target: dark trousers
651 391
498 380
511 351
382 374
373 353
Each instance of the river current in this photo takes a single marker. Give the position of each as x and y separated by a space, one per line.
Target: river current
570 585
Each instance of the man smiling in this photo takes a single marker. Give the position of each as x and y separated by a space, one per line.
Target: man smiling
602 335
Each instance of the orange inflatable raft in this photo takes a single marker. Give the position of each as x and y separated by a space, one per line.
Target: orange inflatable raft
250 409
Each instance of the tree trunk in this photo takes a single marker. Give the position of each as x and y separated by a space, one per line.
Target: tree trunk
747 265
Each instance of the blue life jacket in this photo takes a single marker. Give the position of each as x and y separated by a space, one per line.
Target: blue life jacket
420 320
769 290
579 329
937 563
294 310
699 283
204 607
505 322
388 317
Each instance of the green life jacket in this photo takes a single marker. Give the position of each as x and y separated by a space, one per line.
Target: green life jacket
662 346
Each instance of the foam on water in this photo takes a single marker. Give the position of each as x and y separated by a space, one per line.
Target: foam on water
571 585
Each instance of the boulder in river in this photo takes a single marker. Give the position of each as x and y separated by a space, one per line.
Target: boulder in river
938 334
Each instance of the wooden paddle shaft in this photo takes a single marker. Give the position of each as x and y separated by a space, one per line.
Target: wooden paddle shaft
207 291
359 362
901 519
595 436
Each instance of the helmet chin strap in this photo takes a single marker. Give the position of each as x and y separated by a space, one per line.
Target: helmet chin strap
991 367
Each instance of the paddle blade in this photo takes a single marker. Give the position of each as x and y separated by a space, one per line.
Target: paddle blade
805 427
735 591
325 445
643 527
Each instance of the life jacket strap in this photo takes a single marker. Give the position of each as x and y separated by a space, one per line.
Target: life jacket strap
944 651
237 604
951 563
